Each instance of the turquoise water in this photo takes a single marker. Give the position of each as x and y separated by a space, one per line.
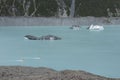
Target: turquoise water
92 51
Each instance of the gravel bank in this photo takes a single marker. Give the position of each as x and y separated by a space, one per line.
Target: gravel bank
42 73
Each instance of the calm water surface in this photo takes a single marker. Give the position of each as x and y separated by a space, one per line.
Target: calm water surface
95 52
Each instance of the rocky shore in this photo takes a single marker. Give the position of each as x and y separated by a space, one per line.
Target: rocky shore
53 21
42 73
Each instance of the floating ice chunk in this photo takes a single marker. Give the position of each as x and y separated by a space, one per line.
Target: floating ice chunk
36 58
96 27
75 27
20 60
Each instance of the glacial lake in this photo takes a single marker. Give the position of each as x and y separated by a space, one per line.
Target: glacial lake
97 52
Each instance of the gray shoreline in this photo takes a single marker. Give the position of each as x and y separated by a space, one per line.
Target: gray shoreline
42 73
52 21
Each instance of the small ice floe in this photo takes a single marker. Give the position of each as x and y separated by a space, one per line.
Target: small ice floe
36 58
46 37
20 60
31 37
50 37
31 58
75 27
95 27
25 38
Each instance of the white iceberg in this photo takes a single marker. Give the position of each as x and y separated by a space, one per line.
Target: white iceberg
96 27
